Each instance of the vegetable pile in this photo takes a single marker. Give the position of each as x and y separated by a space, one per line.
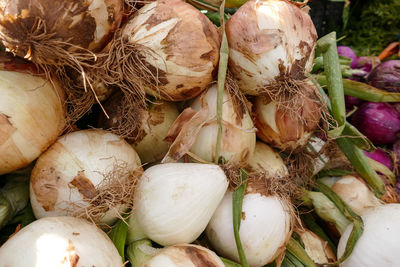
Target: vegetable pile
142 134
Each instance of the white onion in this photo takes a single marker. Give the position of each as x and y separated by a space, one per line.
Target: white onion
355 193
71 173
266 160
264 229
31 118
175 201
379 243
269 40
199 131
59 242
176 43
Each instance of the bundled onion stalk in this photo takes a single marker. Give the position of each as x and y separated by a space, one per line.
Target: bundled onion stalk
60 241
142 254
195 131
267 214
168 49
175 201
32 113
145 129
88 173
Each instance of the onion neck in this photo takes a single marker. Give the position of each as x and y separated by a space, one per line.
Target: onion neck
135 231
140 252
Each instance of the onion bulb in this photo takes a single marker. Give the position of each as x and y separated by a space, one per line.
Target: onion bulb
267 161
286 127
147 129
175 201
85 173
355 193
49 32
169 49
265 227
270 41
142 254
195 130
32 114
379 243
60 241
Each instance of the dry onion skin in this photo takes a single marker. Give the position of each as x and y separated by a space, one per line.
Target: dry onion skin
32 114
195 130
60 241
270 41
287 128
58 32
168 48
145 130
88 173
317 248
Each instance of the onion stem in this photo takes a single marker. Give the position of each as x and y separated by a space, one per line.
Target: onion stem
358 227
237 202
327 45
222 69
363 91
140 252
118 236
299 253
229 263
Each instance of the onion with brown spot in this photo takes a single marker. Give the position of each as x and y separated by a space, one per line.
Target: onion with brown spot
60 241
270 41
168 48
32 113
89 173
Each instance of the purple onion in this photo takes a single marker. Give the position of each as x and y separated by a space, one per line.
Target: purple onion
348 52
386 76
382 157
380 122
367 63
352 101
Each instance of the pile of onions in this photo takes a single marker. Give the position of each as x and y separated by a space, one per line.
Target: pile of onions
270 41
148 130
288 129
380 122
379 243
32 114
58 32
85 173
169 49
195 130
60 241
386 76
175 201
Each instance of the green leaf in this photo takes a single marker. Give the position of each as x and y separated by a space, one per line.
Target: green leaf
118 237
222 69
140 252
333 172
316 229
298 251
229 263
237 202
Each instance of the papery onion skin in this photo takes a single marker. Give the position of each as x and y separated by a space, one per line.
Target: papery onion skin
282 128
386 76
60 241
355 193
81 24
380 122
269 39
175 201
32 116
238 133
264 228
379 243
180 47
185 255
69 174
317 248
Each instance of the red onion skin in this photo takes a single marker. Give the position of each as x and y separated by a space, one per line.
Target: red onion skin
382 157
386 76
380 122
348 52
367 63
352 101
